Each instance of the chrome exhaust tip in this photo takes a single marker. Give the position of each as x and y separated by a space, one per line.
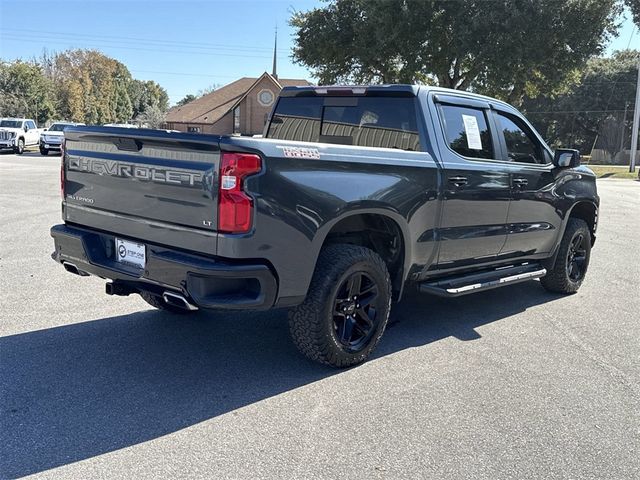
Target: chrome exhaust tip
178 300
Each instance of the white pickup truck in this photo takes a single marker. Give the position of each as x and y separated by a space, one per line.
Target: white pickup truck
18 133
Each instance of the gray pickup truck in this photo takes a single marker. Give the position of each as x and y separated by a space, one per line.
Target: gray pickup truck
353 195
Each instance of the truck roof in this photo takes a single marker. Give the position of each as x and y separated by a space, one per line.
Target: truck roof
397 89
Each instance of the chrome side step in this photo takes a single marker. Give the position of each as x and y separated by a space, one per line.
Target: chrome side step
455 287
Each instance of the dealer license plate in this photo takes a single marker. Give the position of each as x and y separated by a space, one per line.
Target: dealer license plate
131 253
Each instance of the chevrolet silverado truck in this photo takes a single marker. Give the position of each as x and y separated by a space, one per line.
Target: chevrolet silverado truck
352 196
18 133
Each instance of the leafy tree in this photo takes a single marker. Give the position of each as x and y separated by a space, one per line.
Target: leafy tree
592 108
145 94
152 117
93 88
505 48
25 91
187 99
634 7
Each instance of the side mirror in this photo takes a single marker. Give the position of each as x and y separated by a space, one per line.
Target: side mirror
45 129
26 129
566 158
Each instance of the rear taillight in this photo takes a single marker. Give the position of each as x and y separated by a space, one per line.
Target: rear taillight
62 168
235 207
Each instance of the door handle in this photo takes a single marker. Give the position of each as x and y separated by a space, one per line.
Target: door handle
520 182
458 181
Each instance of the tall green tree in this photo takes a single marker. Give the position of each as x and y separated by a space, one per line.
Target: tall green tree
190 97
93 88
25 91
593 108
147 94
505 48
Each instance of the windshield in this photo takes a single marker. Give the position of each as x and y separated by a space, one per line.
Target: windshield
11 123
58 127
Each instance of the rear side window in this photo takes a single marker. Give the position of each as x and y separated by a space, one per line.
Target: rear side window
387 122
521 147
467 131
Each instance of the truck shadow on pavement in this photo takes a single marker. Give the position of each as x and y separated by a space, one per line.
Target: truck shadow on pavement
74 392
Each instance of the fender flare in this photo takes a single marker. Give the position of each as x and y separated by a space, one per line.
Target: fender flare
322 233
565 222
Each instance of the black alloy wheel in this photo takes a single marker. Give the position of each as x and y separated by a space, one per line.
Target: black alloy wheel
569 267
355 314
346 309
577 257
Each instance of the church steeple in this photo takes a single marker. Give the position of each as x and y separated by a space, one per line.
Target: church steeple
274 72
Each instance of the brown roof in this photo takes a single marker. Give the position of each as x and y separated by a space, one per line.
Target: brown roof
212 107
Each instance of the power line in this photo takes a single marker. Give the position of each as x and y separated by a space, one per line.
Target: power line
119 47
125 39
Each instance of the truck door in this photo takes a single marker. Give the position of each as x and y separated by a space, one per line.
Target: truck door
533 220
31 135
476 184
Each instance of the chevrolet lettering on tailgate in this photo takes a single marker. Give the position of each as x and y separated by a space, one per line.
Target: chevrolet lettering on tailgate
131 170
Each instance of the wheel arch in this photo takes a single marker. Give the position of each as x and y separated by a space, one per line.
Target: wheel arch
383 231
586 210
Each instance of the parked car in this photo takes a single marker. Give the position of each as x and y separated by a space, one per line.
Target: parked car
353 195
51 139
18 133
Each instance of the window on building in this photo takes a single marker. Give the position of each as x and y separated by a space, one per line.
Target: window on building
236 120
365 121
521 146
193 129
467 131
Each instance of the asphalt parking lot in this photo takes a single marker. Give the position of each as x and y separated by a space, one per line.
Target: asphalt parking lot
513 383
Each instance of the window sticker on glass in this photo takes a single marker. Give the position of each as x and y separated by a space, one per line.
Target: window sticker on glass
472 131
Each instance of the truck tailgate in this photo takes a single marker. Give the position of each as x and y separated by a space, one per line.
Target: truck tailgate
148 184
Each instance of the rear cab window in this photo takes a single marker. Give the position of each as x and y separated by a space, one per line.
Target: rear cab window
384 122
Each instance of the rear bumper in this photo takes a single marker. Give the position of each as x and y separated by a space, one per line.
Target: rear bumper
210 283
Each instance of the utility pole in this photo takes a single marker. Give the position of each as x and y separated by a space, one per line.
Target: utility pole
624 121
636 124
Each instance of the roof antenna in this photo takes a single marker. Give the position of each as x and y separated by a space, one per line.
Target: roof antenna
274 72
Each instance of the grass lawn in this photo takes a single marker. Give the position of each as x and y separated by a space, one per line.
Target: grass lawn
603 171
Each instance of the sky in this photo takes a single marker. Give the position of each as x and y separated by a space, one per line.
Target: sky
184 45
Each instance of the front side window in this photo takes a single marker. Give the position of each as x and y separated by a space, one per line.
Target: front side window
467 131
521 147
31 125
384 122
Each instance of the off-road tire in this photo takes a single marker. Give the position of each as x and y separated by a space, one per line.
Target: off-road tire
158 302
557 279
20 147
312 324
44 151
